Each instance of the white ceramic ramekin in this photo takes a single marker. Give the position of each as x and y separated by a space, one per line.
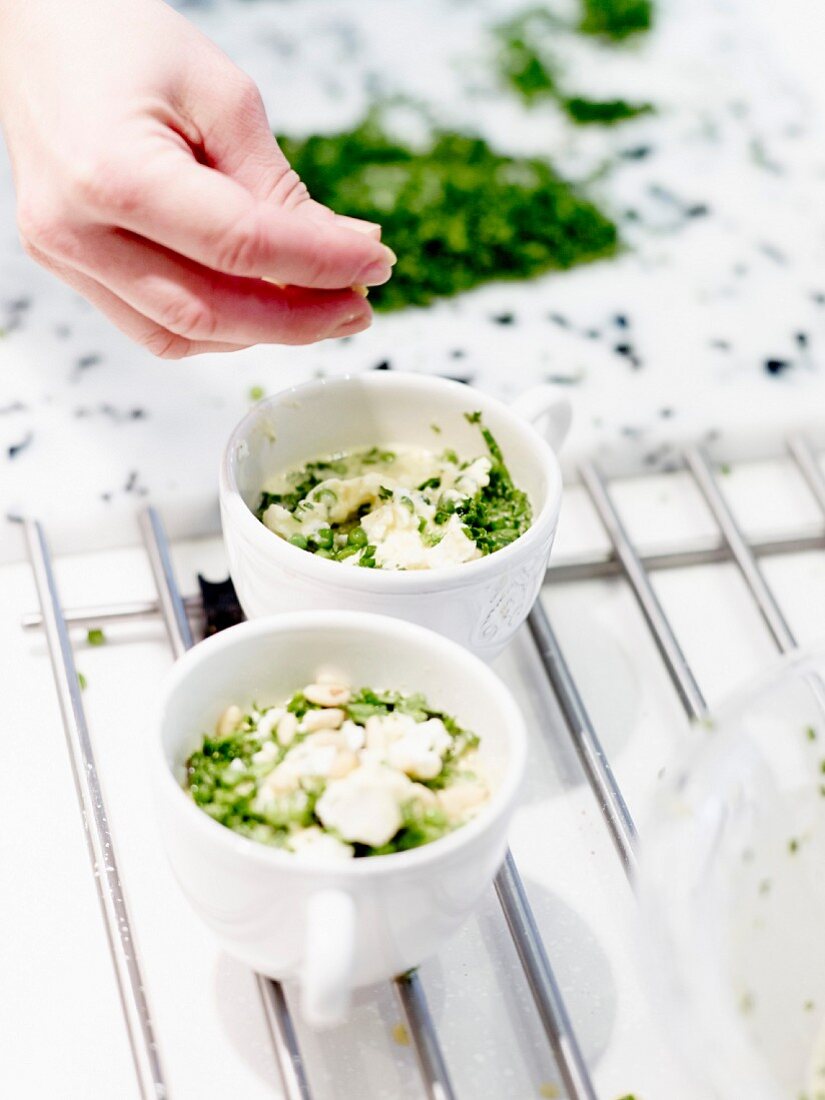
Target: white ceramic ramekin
334 926
480 603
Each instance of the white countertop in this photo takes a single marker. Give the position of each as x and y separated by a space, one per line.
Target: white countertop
90 425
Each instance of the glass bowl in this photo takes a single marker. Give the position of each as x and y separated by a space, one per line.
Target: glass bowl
732 891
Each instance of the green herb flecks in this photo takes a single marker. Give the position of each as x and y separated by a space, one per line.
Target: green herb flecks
603 112
95 636
492 515
530 68
224 775
616 20
500 512
457 213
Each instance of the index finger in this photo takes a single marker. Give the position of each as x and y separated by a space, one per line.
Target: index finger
204 215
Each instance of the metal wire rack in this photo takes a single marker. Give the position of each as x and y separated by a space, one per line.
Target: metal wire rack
622 560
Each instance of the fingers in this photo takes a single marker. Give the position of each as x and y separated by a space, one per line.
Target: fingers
157 340
193 302
207 217
241 144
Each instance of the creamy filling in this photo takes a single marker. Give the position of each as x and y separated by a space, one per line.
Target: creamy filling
334 773
399 508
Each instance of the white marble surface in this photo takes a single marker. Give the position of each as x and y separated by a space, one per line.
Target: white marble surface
89 424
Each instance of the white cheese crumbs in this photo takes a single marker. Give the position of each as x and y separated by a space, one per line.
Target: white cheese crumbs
463 799
269 721
365 806
287 728
353 735
267 754
401 502
318 784
229 721
314 843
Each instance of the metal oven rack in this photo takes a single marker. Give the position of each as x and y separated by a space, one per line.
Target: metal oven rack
622 560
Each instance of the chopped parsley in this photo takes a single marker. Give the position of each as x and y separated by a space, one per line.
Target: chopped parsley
616 20
226 775
528 66
458 213
95 636
478 505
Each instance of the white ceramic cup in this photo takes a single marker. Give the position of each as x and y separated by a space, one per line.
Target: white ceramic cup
333 926
480 603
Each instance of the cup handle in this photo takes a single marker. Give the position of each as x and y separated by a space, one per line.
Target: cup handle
547 410
329 953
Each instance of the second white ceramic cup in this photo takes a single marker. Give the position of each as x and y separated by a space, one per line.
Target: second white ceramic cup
333 926
479 604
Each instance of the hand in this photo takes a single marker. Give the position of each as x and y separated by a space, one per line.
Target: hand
148 179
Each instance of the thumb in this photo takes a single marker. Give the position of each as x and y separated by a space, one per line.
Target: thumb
253 158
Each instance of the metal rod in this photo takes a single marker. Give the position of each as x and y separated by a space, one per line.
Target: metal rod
542 982
163 572
410 994
760 590
805 458
585 740
562 570
284 1039
96 823
123 612
282 1029
675 660
690 553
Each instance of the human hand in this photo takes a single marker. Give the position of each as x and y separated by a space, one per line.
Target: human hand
148 179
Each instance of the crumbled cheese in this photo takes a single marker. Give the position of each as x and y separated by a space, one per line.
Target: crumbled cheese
462 799
402 526
268 722
287 728
316 844
267 754
365 806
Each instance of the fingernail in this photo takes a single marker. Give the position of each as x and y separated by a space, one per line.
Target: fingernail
359 225
391 256
378 271
362 290
353 323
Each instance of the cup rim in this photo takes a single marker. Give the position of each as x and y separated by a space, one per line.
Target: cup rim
246 849
388 580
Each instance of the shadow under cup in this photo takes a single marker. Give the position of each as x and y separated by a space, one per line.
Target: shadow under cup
480 603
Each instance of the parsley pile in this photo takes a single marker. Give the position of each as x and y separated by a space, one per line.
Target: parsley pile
457 213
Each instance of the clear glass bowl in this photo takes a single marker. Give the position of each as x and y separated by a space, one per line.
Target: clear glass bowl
732 892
